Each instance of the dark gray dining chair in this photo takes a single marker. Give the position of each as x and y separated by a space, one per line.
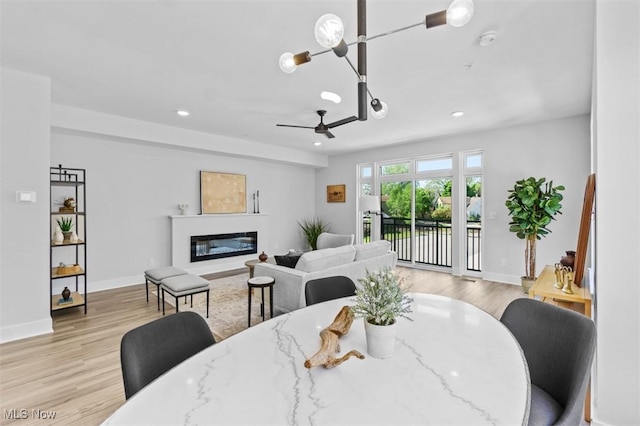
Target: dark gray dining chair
329 288
148 351
559 346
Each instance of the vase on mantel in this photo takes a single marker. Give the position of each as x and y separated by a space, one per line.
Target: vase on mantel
381 339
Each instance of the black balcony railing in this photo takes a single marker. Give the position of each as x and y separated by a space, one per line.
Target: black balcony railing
473 245
432 240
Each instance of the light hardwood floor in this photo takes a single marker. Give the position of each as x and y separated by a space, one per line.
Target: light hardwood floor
75 371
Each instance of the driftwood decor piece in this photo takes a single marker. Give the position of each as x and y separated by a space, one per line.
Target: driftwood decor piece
331 344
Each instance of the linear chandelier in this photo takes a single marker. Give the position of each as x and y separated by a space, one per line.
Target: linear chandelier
329 32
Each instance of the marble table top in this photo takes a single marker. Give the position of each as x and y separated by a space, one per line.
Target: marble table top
454 364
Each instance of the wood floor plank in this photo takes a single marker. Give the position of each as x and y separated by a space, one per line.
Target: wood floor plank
75 371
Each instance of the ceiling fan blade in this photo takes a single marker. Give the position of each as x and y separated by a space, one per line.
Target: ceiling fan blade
291 125
328 134
341 122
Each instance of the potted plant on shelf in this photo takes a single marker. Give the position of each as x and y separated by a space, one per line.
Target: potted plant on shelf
66 225
532 205
312 228
381 301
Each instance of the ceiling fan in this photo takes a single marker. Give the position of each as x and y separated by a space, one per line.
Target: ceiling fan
323 128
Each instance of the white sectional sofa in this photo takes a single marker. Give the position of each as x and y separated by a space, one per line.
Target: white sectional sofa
350 260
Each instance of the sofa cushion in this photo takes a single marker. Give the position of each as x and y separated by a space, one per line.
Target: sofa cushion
287 260
373 249
328 240
326 258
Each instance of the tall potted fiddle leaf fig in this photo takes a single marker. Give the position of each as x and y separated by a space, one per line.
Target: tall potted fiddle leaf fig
532 205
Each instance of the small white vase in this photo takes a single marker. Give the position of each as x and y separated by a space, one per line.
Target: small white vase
57 236
381 339
74 237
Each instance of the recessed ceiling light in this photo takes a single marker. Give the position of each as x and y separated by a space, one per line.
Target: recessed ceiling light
316 143
457 113
182 113
330 96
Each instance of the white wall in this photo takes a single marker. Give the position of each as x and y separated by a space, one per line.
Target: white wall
617 372
133 188
24 227
558 150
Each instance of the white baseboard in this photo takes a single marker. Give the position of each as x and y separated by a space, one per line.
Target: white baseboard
24 330
501 278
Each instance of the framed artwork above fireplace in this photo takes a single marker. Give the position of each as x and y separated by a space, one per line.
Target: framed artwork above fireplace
223 193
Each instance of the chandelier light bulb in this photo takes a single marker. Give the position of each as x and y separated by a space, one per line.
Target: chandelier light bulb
379 109
329 30
459 13
287 64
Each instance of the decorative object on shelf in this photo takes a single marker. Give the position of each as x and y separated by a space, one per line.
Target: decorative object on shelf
569 259
222 193
63 269
183 208
532 205
312 228
65 224
562 272
74 237
329 32
336 193
67 204
263 257
568 280
258 201
381 301
66 293
330 342
58 237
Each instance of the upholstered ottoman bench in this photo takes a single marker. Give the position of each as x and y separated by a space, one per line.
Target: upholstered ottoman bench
184 285
156 275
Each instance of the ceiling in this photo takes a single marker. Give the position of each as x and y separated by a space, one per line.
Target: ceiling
219 60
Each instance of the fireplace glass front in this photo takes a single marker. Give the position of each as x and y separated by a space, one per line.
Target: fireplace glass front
207 247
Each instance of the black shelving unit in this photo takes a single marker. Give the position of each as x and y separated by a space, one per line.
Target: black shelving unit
68 259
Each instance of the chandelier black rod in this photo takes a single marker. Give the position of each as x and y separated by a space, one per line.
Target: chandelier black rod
358 75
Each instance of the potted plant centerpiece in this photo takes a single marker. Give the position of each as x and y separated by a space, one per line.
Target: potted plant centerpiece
312 228
381 301
66 225
532 205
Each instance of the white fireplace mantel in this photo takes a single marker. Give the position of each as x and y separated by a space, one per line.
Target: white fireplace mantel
183 227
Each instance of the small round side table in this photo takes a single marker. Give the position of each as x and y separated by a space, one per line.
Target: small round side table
261 283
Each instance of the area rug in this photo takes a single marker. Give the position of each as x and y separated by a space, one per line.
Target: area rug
228 304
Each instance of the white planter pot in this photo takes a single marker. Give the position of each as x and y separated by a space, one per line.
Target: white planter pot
380 339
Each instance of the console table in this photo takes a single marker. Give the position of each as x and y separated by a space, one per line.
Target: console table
579 301
544 289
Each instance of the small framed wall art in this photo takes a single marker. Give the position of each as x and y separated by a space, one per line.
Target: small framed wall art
336 193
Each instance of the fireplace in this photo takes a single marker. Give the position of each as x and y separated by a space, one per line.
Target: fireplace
217 246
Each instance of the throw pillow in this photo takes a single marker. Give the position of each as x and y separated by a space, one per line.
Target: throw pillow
287 260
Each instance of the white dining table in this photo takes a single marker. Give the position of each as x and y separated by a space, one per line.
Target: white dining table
453 364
